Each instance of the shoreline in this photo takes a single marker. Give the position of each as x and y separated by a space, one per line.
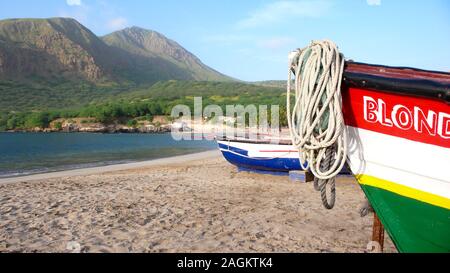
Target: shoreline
173 160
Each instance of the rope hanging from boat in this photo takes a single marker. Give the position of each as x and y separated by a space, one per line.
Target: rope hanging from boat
316 120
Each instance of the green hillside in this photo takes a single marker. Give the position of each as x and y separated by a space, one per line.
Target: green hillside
42 94
156 100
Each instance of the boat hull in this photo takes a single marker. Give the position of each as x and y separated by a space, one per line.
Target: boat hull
261 157
399 152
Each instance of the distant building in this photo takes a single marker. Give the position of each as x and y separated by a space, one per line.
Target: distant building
181 126
227 119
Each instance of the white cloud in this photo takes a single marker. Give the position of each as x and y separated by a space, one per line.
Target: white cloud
117 23
374 2
74 2
285 11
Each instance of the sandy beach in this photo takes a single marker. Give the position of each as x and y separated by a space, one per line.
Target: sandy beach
193 203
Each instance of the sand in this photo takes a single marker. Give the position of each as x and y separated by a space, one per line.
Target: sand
195 203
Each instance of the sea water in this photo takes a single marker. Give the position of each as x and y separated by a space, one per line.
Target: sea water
31 153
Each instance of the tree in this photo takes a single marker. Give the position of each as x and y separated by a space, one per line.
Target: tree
37 120
58 125
132 123
12 123
3 121
149 117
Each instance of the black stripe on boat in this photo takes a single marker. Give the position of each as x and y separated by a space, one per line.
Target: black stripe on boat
426 86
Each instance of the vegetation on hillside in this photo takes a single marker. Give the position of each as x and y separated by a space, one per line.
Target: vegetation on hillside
158 99
40 94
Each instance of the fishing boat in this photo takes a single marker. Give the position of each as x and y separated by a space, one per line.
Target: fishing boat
261 154
394 136
398 130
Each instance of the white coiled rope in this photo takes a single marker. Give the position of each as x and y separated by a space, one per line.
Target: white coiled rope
316 121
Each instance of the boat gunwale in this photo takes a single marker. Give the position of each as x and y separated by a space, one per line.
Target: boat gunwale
255 141
399 70
399 80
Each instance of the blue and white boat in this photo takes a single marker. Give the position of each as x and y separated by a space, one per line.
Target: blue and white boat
261 155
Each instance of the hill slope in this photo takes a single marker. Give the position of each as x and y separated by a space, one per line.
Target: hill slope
49 48
150 47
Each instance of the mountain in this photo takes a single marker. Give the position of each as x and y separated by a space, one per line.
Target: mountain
58 62
48 48
149 47
63 48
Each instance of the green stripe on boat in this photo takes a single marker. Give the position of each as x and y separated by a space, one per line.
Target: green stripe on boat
414 226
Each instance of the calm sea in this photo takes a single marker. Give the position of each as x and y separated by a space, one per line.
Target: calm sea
29 153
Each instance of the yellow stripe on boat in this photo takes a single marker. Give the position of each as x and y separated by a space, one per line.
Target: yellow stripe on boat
419 195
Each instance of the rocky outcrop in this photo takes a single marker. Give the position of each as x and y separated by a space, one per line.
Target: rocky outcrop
77 126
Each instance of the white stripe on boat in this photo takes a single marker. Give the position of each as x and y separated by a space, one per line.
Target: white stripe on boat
418 165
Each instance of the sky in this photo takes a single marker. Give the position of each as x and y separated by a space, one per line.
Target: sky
250 40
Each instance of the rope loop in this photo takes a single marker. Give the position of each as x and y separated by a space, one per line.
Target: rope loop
315 117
